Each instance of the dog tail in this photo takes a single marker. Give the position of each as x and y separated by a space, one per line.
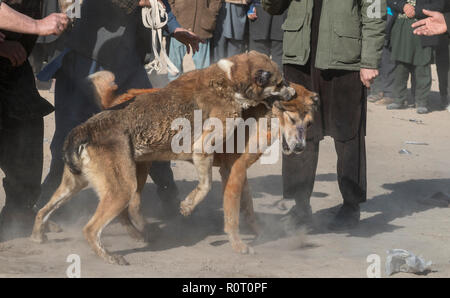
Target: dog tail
105 88
74 149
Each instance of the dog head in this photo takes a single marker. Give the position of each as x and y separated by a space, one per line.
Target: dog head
296 116
255 78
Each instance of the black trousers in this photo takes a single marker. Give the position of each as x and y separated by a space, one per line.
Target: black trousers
342 99
21 159
443 66
299 172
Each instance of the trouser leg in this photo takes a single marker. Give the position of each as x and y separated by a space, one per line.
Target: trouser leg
202 57
422 75
402 71
351 170
234 47
21 160
299 173
177 51
443 69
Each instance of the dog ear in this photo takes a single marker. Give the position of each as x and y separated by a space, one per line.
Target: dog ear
262 77
226 65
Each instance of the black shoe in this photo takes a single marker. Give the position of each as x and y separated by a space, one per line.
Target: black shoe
346 218
170 203
297 217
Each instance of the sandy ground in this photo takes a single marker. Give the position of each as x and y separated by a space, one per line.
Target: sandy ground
398 214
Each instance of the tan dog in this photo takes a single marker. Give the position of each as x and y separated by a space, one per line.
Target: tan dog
112 150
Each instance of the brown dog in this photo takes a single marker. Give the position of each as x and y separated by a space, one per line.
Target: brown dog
295 117
112 150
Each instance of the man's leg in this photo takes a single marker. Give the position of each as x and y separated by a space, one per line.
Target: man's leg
202 58
423 78
443 69
21 159
299 174
351 171
74 104
402 71
235 47
277 52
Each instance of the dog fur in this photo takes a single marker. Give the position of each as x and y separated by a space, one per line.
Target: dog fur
112 150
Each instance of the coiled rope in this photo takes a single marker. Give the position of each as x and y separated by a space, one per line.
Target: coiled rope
155 18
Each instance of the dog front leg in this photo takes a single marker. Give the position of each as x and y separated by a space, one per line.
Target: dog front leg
203 164
231 206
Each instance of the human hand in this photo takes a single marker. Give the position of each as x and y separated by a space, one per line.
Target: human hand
13 51
409 10
188 38
367 76
252 16
147 3
433 25
55 23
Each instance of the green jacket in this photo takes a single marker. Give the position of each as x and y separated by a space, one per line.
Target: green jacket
350 36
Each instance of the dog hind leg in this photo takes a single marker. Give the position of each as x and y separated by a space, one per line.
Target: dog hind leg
134 214
70 185
113 175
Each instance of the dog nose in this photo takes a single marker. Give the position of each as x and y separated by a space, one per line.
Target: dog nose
298 147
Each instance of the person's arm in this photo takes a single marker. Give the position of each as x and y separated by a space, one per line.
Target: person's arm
12 20
435 5
373 36
275 7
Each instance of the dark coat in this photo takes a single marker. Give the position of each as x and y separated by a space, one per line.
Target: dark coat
19 98
103 23
266 26
198 16
434 5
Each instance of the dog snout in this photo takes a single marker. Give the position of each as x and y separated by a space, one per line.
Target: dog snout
299 147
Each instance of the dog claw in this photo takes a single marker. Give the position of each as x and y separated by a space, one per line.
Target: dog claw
185 208
117 260
242 248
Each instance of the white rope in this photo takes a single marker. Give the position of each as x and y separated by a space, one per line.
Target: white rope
155 18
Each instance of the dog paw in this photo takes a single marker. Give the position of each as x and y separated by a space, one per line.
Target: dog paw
242 248
117 260
36 238
185 208
53 227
